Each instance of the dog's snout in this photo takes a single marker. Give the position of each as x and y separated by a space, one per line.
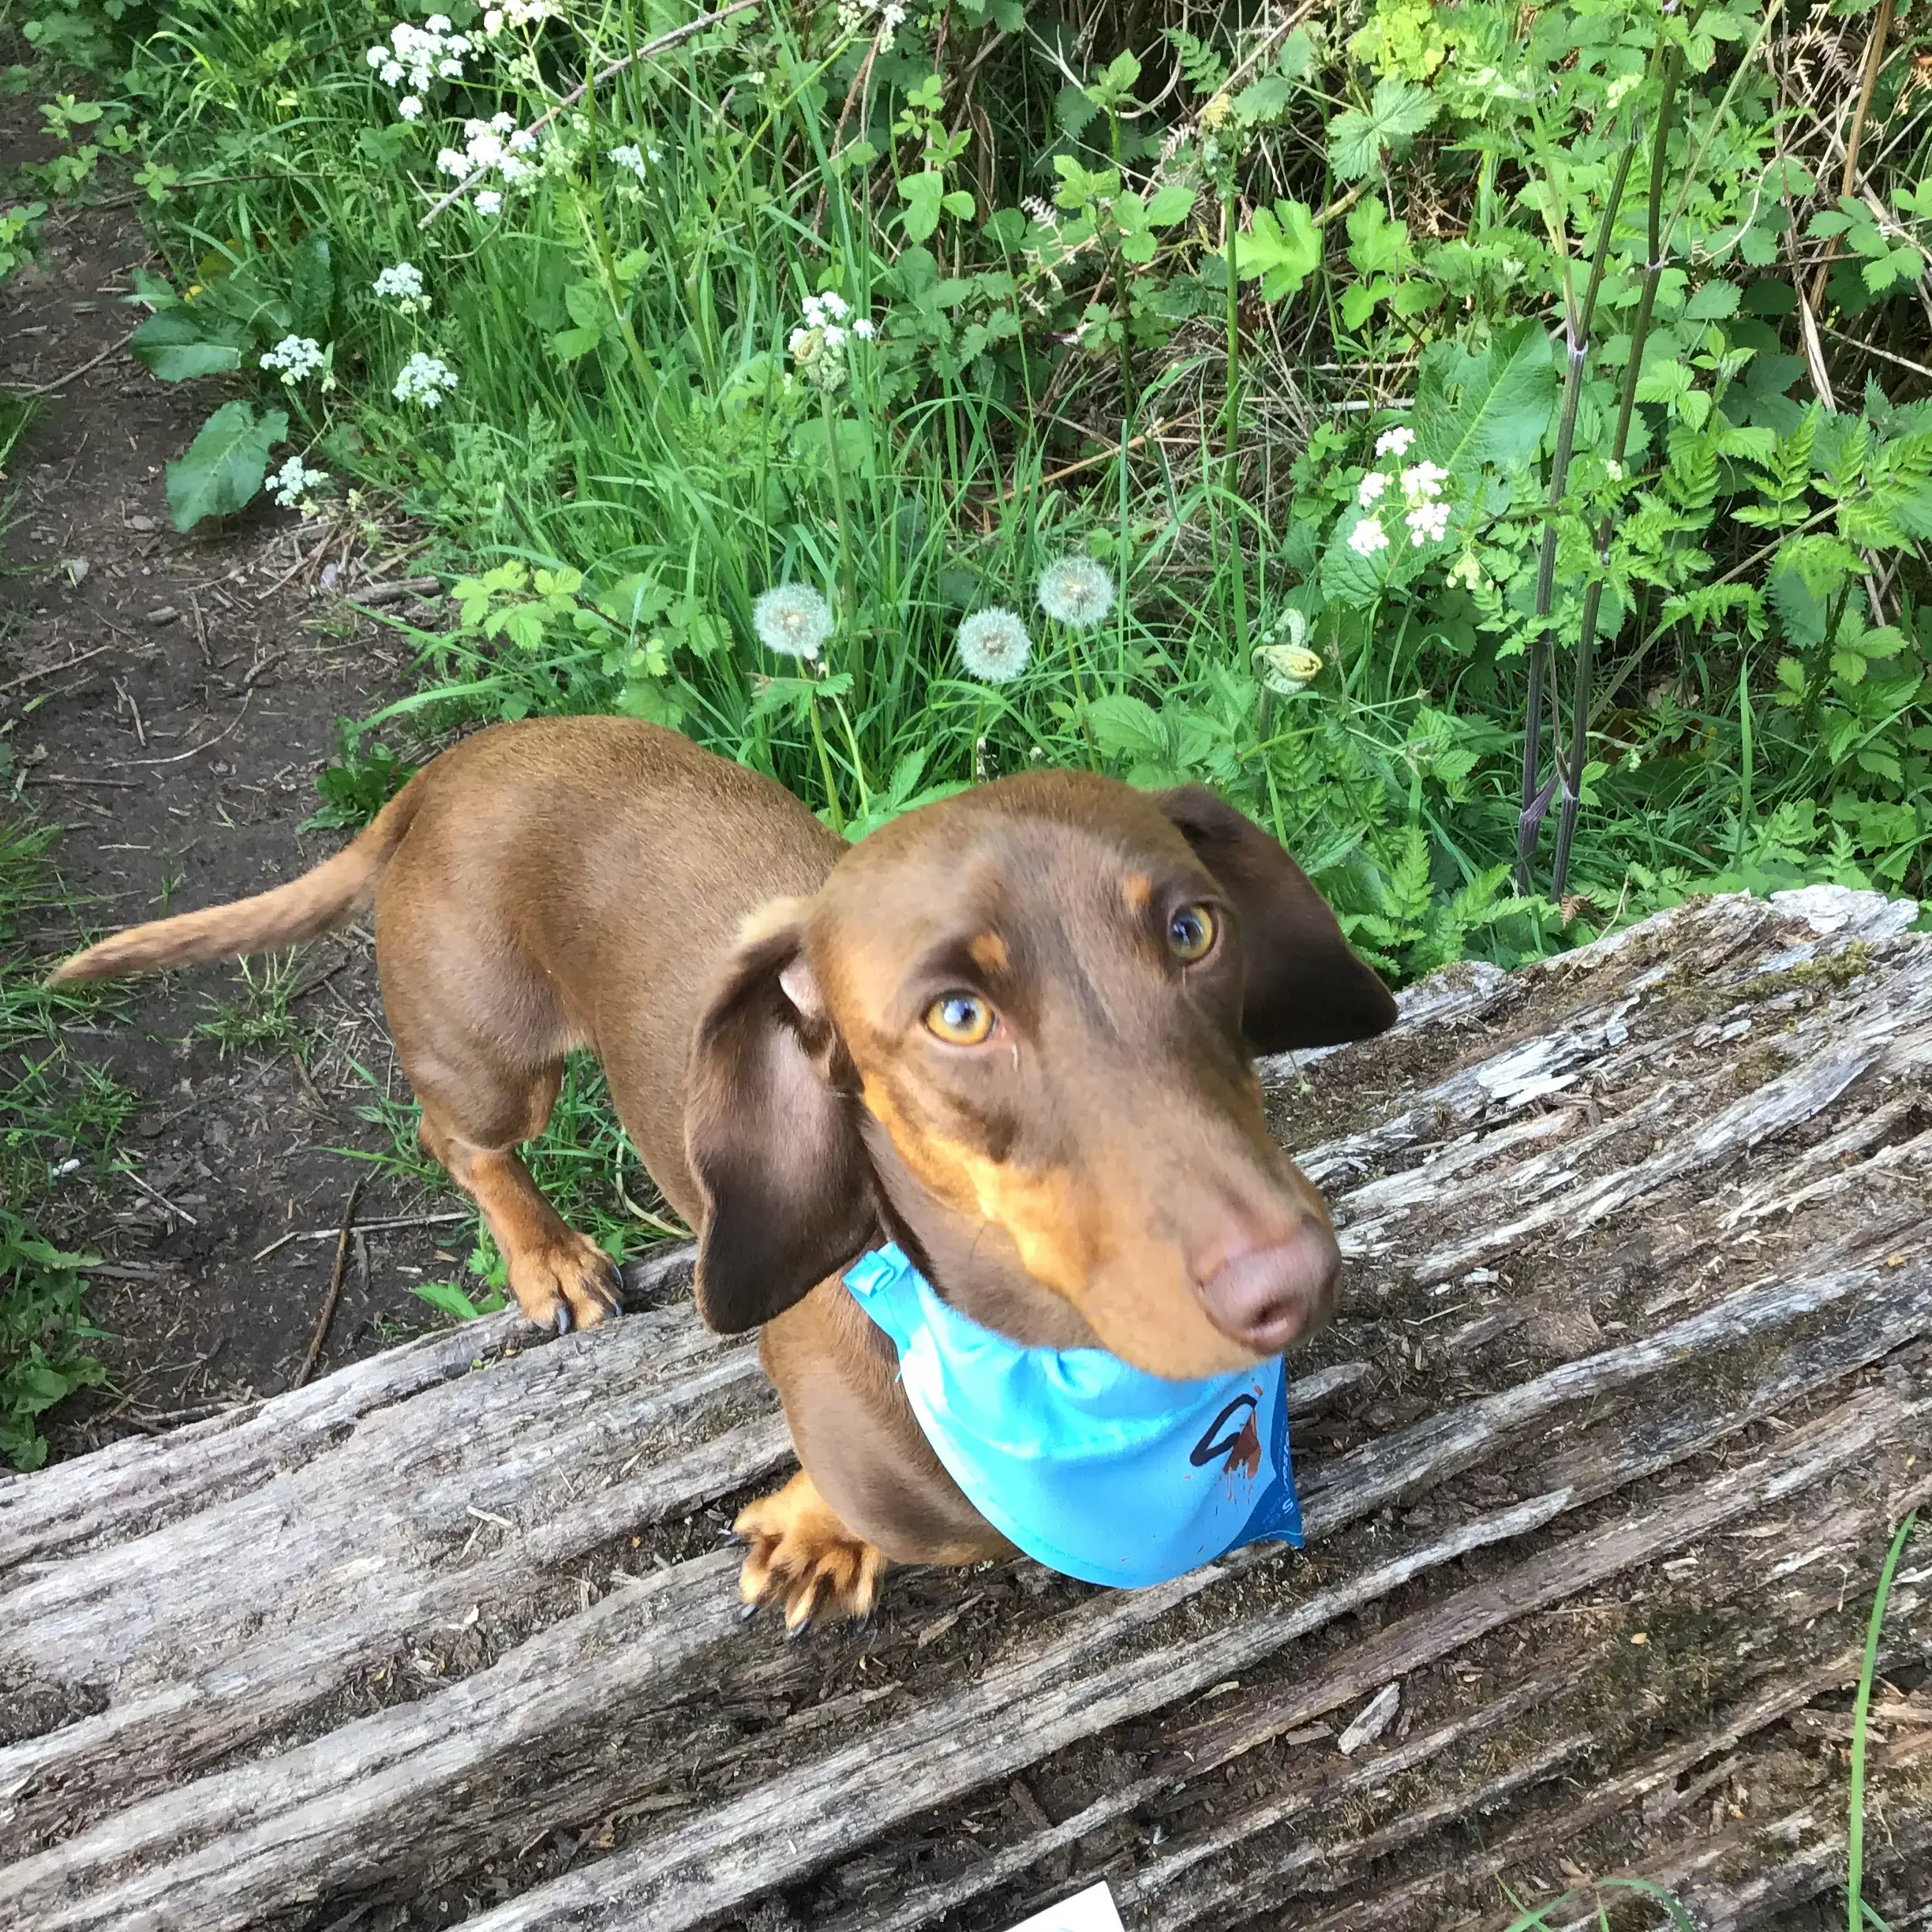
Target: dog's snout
1269 1297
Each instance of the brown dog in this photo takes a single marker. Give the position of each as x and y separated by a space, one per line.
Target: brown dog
1012 1030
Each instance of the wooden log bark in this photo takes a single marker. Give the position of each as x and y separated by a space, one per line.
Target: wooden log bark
1632 1375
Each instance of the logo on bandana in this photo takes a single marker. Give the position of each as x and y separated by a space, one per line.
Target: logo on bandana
1239 1441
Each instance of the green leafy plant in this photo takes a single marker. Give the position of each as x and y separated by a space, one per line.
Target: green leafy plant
42 1327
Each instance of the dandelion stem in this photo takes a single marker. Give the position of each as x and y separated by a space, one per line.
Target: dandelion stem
825 765
851 740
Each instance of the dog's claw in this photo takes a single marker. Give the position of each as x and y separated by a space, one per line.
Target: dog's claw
746 1612
563 1318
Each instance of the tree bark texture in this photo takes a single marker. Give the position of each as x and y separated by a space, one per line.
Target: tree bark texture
1630 1383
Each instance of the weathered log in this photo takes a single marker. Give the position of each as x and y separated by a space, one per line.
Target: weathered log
1641 1283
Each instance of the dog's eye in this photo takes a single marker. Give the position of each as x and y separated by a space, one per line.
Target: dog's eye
1191 934
959 1019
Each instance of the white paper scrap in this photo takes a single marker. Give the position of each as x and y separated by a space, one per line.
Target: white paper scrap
1091 1911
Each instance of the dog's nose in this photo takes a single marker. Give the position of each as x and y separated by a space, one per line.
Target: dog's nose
1268 1298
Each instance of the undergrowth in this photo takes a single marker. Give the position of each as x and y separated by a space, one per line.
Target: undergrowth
1475 415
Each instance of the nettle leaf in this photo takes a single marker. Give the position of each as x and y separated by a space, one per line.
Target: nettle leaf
923 194
1399 111
1174 203
177 344
1493 408
1283 247
1713 302
1127 727
225 464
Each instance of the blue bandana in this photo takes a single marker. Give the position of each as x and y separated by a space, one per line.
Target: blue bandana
1093 1467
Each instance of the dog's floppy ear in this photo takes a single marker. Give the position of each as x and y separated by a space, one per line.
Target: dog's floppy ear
774 1145
1304 987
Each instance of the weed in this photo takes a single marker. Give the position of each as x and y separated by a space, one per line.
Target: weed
259 1017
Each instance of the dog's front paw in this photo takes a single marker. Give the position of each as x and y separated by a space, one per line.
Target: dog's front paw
566 1283
801 1555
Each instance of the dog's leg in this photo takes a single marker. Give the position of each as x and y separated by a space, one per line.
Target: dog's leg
802 1555
561 1278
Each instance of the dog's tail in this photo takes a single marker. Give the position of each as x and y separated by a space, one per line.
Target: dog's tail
319 901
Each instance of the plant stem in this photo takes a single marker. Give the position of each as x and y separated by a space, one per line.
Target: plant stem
1576 325
1570 767
1231 424
1860 1708
825 765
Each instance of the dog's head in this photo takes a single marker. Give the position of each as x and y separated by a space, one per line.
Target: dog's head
1015 1029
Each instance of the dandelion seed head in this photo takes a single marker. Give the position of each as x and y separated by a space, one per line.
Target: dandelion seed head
792 619
993 646
1076 591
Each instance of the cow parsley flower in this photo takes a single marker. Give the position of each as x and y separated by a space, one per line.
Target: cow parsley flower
1369 489
297 358
1422 484
418 55
1395 442
403 285
425 379
489 201
818 346
993 646
1367 537
854 15
1428 523
410 107
1076 591
792 619
295 485
629 156
517 13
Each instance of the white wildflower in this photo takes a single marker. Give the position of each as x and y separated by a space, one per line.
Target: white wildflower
403 285
993 646
1467 570
792 619
1422 484
1367 537
295 483
410 107
1395 442
1076 591
297 357
1428 524
1614 470
864 328
488 202
419 55
629 156
829 307
425 378
1369 489
518 14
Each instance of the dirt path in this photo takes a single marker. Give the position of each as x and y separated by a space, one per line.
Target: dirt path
179 754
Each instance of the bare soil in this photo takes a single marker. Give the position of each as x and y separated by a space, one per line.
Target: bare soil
179 754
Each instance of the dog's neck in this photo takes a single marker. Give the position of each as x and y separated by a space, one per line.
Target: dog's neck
972 1265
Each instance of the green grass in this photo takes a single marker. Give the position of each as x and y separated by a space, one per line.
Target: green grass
633 450
62 1118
